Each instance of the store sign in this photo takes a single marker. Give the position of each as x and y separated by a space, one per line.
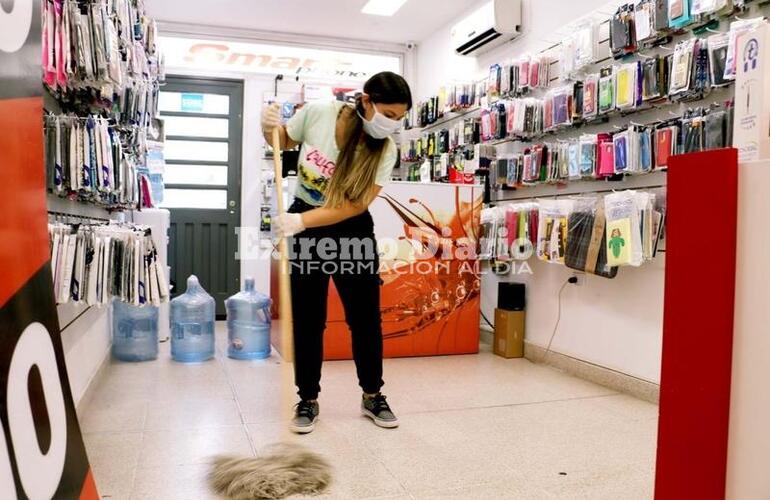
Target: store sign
42 454
209 55
192 103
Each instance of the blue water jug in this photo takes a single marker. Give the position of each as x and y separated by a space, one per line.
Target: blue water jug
192 324
134 332
248 324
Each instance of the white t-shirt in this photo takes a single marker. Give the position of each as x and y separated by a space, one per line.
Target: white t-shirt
315 127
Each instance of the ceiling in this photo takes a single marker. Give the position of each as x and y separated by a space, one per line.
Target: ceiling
414 22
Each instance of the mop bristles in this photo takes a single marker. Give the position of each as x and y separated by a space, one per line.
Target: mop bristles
282 470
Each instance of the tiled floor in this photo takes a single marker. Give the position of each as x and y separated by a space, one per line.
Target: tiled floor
472 427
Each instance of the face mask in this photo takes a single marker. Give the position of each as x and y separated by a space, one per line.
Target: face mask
380 126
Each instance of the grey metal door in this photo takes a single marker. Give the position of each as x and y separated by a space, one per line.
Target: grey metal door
203 126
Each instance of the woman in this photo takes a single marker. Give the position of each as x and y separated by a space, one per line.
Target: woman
347 156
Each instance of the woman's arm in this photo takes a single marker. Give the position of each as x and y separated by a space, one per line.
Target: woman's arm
286 141
323 216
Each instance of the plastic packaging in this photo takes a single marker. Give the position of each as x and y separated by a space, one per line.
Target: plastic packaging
625 86
590 95
586 238
552 230
624 231
192 324
606 91
248 323
134 332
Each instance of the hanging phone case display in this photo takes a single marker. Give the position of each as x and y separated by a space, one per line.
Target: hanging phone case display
590 97
681 67
625 86
560 105
577 231
622 40
588 156
92 264
624 229
640 149
586 238
493 83
578 49
101 62
655 78
644 21
717 47
666 145
606 91
85 158
700 7
606 155
552 230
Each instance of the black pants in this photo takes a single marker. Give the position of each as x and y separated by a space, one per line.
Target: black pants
353 265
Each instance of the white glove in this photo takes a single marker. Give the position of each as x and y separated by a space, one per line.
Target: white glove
287 225
271 118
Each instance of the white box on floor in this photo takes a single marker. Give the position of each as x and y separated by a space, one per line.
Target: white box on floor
751 129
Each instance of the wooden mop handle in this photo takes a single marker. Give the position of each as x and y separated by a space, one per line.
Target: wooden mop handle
284 283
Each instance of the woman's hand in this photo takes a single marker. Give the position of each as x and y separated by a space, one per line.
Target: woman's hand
271 118
287 225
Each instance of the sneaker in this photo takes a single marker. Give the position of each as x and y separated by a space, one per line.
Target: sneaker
379 411
305 416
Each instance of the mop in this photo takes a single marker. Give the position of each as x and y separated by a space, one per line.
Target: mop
282 469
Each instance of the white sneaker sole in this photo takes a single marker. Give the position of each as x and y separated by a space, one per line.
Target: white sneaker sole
379 422
307 429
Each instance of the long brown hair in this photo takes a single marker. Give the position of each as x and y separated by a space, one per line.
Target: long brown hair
356 167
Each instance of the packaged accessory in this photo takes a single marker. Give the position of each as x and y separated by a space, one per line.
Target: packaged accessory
624 241
606 91
552 231
717 47
586 238
590 96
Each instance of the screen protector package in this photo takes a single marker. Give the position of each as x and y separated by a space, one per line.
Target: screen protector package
552 231
586 238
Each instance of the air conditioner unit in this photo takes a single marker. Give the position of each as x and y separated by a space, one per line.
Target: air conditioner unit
492 25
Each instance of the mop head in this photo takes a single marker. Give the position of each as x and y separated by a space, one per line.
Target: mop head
282 470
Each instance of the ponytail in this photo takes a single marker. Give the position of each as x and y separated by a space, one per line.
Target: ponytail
359 160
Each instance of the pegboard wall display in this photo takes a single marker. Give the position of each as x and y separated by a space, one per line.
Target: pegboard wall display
599 105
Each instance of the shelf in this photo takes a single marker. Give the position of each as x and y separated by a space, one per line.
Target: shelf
446 119
651 180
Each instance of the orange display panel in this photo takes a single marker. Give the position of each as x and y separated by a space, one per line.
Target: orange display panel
430 302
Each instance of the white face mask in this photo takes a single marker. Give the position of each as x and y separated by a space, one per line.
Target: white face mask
380 126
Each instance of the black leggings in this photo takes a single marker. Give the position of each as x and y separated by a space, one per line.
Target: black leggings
354 268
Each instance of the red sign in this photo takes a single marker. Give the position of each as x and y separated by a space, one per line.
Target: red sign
42 454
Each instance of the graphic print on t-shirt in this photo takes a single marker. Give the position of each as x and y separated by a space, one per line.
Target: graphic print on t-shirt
315 170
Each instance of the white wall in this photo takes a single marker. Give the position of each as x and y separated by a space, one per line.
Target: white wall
616 323
749 445
86 344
